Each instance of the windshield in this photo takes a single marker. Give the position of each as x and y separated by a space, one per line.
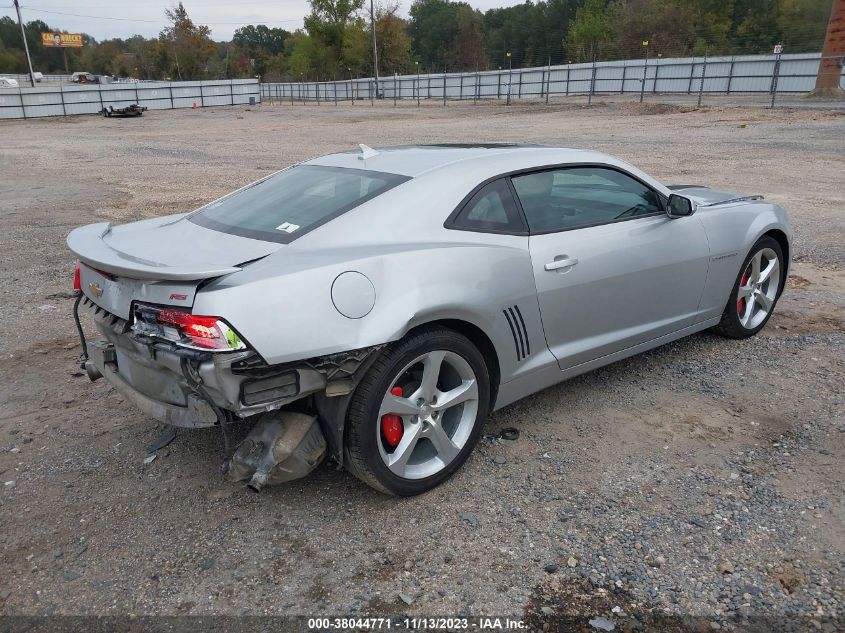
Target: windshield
286 205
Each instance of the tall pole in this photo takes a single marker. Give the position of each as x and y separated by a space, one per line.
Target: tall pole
775 75
375 48
510 76
548 78
645 70
25 45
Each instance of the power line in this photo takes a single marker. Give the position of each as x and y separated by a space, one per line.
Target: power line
103 17
94 17
222 3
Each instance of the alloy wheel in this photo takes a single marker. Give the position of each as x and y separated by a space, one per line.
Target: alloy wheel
758 288
427 415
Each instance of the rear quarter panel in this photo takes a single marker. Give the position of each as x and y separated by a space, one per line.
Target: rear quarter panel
292 316
421 271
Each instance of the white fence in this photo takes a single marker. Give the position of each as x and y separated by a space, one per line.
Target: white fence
59 100
748 74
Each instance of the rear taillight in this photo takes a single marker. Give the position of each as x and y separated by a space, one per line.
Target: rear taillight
207 332
77 282
188 330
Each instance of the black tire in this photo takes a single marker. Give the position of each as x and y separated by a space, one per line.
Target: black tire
361 437
730 325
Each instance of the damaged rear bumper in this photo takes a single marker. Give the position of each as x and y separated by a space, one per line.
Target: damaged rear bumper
194 414
283 445
193 389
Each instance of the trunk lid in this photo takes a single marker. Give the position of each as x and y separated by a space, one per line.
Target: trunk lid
164 249
160 261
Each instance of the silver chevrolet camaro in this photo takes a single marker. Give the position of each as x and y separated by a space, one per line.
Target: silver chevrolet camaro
375 305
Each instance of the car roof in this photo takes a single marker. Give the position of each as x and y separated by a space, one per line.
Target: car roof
416 160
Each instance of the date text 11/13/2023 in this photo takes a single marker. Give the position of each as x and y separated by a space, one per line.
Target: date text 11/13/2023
416 624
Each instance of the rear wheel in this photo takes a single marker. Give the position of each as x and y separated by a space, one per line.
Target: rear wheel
418 413
755 291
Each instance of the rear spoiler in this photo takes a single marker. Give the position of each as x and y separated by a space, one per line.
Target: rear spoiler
88 245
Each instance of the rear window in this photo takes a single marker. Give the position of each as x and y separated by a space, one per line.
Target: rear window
286 205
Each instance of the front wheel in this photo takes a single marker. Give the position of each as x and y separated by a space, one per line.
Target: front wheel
418 413
755 291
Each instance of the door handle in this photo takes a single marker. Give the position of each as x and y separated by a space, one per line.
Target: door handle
562 263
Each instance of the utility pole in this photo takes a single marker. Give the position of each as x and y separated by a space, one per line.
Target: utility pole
510 75
548 78
645 70
25 45
375 48
833 53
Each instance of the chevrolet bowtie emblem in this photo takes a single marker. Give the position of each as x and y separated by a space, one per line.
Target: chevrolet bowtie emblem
95 289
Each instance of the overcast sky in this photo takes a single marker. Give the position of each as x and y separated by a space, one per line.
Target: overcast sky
103 19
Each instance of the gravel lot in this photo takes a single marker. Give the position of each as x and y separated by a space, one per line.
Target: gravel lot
705 479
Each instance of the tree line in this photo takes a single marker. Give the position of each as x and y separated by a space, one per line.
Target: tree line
439 35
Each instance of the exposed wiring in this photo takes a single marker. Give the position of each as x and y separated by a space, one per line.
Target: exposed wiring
84 355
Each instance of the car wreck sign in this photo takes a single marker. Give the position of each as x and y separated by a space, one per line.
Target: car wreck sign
63 40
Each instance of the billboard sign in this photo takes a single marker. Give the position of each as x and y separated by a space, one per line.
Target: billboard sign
61 40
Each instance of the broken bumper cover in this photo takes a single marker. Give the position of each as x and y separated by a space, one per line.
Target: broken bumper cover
195 414
192 389
162 389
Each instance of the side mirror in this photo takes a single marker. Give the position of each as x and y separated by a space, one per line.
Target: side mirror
679 207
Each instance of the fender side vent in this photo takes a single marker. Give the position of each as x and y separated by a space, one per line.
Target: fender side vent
520 333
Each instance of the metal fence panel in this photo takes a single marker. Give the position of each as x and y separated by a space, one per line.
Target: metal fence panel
11 104
24 78
750 74
66 99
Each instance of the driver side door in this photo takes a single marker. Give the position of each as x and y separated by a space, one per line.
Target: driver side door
612 269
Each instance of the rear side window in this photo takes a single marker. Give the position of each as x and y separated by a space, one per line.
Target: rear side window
577 197
288 204
491 209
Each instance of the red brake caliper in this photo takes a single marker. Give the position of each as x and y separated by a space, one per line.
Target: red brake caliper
391 424
740 305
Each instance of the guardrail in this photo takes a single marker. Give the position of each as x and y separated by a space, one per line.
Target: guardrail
63 100
749 74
